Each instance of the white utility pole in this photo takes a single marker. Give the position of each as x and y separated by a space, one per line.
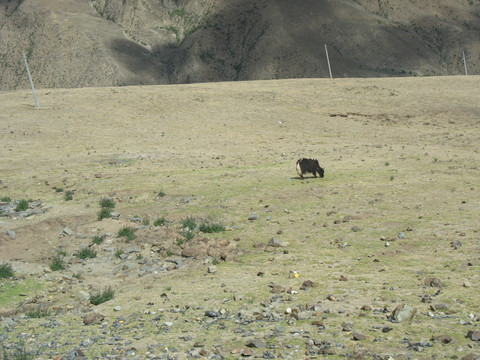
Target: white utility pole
31 82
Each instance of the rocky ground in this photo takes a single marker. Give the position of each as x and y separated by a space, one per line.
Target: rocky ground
214 248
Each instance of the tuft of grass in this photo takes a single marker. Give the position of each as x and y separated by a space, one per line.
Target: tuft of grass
102 296
39 312
22 205
20 353
161 193
107 203
118 253
189 223
58 189
188 234
97 240
68 195
6 199
57 264
146 222
86 253
6 271
127 232
104 213
212 228
159 222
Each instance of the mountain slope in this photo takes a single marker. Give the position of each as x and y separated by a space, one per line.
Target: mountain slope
100 43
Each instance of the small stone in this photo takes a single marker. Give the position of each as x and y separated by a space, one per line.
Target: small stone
307 284
117 308
403 313
253 217
402 235
93 318
212 314
366 308
444 339
212 269
355 228
473 335
67 231
467 284
471 357
358 336
277 243
433 282
11 233
83 295
247 352
343 278
168 323
257 343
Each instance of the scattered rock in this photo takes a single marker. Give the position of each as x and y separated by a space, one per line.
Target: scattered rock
253 217
403 313
117 308
67 231
11 233
473 335
257 343
212 269
443 339
277 243
433 282
307 284
402 235
93 318
355 228
358 336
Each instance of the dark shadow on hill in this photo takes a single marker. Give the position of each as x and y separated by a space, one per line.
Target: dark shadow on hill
142 65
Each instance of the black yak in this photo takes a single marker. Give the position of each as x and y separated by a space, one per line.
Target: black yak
309 166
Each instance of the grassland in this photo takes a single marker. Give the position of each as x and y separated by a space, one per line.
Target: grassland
400 157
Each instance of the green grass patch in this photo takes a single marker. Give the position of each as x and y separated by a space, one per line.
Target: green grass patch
119 253
6 271
6 199
189 223
86 253
22 205
39 312
212 228
104 213
102 296
127 232
68 195
107 203
10 291
160 222
97 240
57 264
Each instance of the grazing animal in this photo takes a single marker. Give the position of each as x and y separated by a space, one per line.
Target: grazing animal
309 166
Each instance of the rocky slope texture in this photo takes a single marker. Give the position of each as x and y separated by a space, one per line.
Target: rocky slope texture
102 43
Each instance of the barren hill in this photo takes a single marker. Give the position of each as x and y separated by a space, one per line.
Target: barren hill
78 43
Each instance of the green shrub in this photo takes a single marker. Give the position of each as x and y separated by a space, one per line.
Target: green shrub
118 253
22 205
102 296
212 228
107 203
97 240
58 189
161 193
188 234
86 253
39 312
104 213
189 223
57 264
6 271
127 232
68 195
159 222
6 199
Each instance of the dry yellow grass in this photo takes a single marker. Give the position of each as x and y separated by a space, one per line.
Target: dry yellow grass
400 155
